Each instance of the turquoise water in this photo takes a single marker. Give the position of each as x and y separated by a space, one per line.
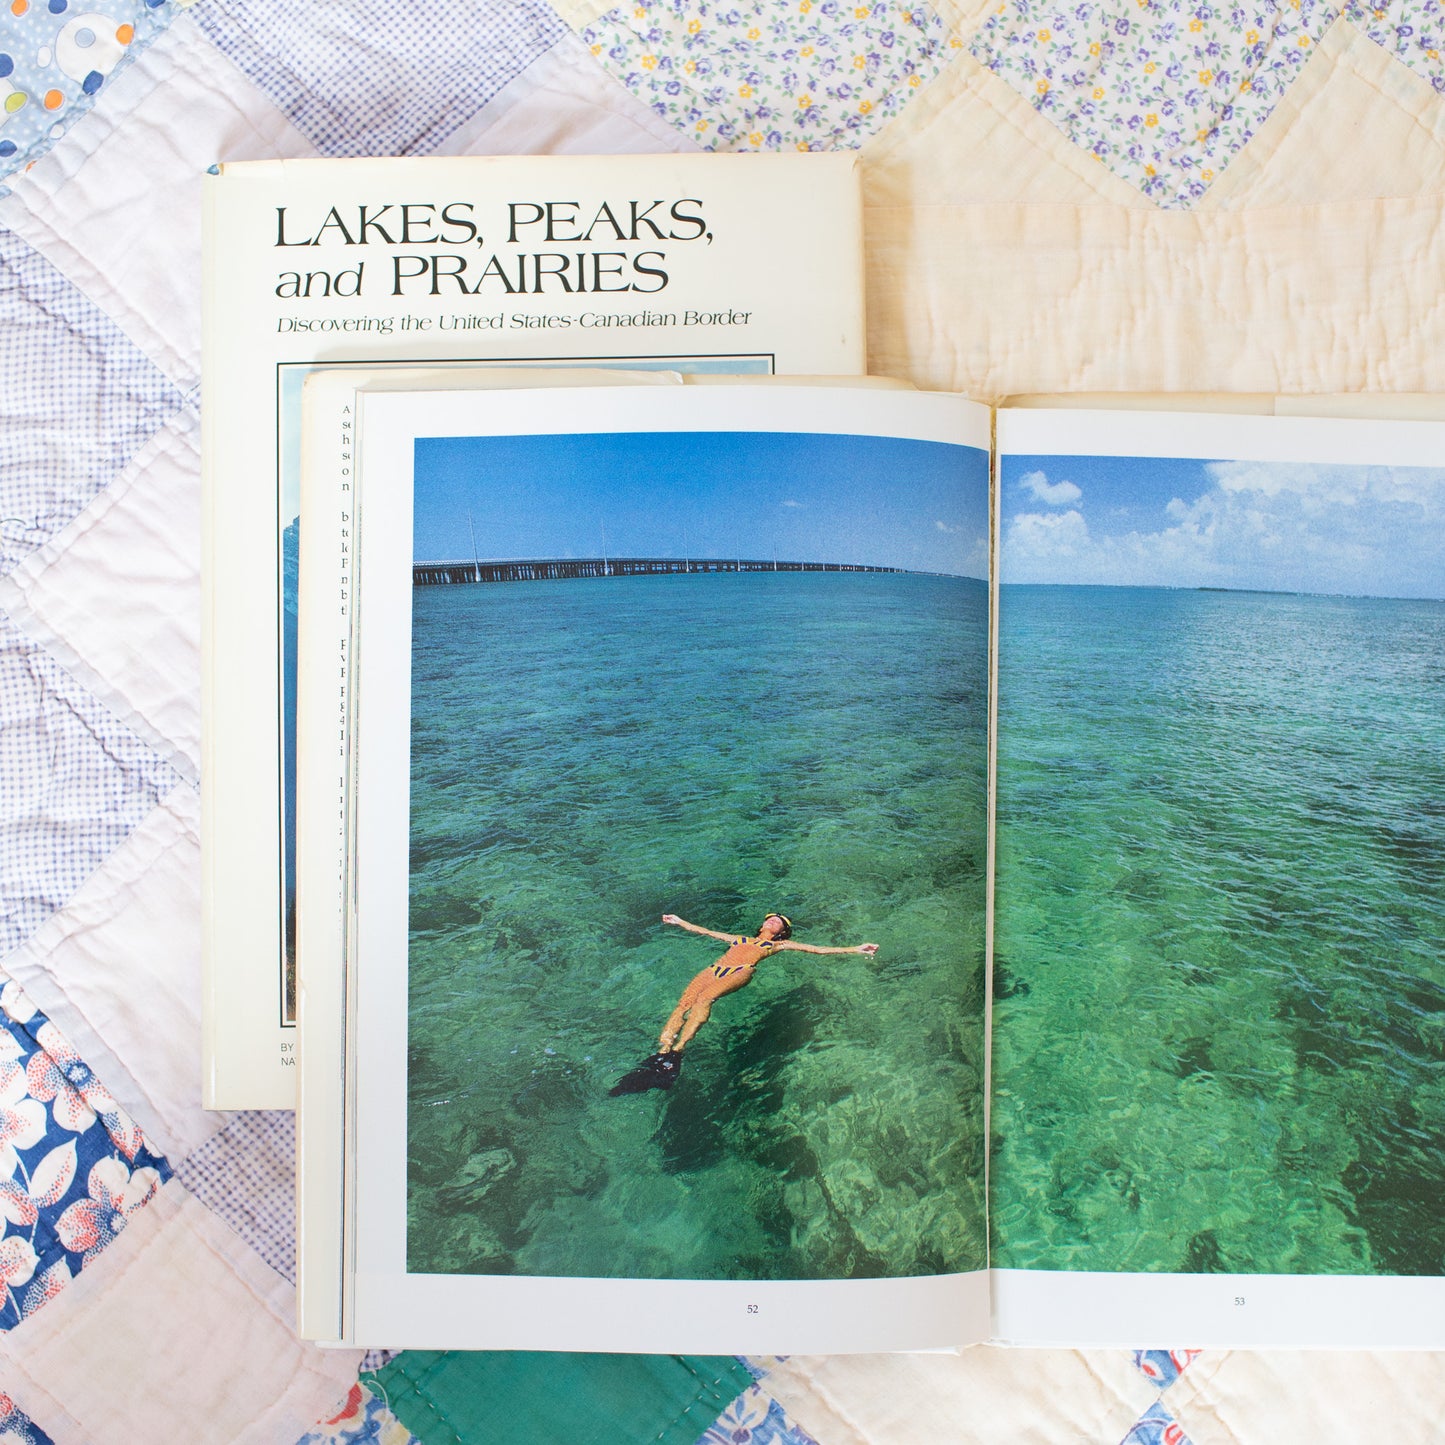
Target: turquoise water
1219 1037
588 755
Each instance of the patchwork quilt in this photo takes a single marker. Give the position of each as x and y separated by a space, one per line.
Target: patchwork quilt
1082 195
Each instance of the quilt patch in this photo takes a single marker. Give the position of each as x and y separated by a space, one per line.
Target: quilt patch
1163 1367
363 1419
246 1174
89 397
55 55
73 1165
376 78
16 1427
1163 92
796 75
74 782
1413 31
1156 1426
754 1419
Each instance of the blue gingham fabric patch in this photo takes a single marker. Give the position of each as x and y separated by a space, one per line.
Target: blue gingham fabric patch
74 782
90 400
377 78
55 58
73 1165
245 1174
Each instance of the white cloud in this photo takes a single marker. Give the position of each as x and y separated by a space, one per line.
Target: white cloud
1283 527
1051 494
944 527
791 503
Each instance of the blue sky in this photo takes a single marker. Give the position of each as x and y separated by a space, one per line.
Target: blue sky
1289 527
796 497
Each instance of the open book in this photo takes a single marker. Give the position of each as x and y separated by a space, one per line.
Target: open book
713 975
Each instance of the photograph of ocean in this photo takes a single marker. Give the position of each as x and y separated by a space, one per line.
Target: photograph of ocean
592 752
1219 1027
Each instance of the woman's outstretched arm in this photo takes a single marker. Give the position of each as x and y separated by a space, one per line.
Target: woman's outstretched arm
677 922
869 948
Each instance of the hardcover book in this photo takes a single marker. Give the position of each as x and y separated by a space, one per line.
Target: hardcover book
832 869
656 262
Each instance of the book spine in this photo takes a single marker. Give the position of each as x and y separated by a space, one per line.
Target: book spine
210 381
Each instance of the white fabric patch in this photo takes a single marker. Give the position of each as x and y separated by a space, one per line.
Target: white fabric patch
116 595
116 205
183 1334
982 1396
564 103
117 970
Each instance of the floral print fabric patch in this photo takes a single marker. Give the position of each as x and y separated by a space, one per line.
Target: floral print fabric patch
755 1419
363 1419
803 74
73 1165
1162 93
1411 30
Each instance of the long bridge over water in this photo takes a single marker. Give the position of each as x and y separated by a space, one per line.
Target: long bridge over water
556 569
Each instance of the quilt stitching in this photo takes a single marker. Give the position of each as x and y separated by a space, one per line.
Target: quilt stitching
364 1419
244 1175
804 74
74 782
422 1395
1163 92
89 397
17 1428
378 78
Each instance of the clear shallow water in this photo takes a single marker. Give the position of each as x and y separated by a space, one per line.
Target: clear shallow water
589 755
1219 1030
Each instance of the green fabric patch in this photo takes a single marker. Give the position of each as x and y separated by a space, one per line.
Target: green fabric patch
464 1398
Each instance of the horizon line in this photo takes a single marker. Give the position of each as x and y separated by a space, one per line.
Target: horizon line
1254 591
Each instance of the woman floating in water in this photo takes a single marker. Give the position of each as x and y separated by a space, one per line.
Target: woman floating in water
731 972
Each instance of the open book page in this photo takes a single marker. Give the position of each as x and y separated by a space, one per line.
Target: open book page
324 724
644 774
1219 924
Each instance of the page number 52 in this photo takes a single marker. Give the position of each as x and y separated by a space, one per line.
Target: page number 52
752 1309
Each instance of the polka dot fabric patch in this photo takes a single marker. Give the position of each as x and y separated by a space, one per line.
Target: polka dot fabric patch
56 56
1163 92
799 75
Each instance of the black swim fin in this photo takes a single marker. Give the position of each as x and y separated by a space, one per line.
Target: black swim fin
657 1071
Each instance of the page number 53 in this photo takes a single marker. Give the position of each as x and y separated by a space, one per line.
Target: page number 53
1238 1300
